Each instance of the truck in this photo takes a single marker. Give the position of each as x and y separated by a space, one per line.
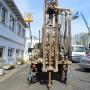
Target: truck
52 55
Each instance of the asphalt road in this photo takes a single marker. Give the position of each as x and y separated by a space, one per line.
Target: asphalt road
18 81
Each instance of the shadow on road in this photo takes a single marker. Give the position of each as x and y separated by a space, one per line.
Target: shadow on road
86 81
42 78
83 70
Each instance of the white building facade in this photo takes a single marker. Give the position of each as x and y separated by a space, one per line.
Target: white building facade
12 32
29 45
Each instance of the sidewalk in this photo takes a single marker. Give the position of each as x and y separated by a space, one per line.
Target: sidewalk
8 73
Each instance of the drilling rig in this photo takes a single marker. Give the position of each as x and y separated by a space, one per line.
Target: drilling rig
54 52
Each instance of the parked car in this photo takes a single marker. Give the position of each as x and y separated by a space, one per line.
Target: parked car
77 52
85 61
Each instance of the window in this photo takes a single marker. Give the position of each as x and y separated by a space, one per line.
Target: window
23 33
19 30
17 53
1 53
0 12
12 22
29 50
11 55
0 8
10 52
22 53
3 13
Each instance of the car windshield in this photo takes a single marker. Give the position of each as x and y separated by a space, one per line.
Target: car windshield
78 49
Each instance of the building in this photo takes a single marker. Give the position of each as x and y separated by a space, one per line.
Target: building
12 32
29 45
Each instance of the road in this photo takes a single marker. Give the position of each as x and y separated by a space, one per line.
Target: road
18 81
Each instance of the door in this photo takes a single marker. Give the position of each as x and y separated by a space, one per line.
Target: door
10 55
1 54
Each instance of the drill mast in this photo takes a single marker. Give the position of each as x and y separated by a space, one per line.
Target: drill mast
56 36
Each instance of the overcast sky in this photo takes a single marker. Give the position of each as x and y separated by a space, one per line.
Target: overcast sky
36 7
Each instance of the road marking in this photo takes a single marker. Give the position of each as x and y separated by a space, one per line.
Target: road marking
8 75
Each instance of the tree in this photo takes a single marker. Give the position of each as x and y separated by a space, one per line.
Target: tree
81 39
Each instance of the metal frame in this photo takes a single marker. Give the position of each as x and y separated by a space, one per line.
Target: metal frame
51 35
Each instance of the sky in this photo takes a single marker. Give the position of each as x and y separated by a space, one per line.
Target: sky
36 8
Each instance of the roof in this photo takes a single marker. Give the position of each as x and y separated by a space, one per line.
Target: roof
16 11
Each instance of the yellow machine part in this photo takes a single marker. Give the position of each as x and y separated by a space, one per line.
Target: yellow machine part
28 17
